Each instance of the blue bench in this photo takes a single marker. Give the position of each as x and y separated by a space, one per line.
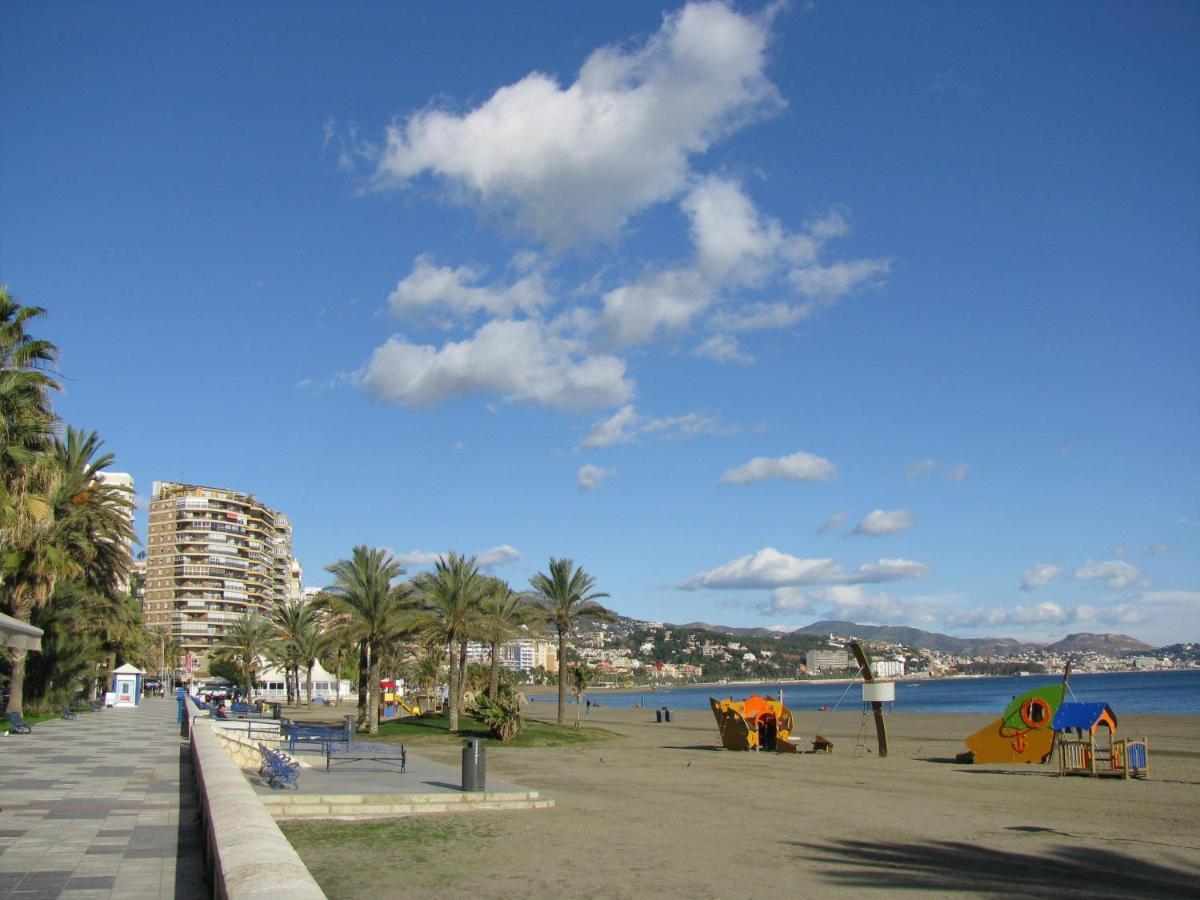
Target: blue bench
69 713
240 709
278 769
317 735
19 725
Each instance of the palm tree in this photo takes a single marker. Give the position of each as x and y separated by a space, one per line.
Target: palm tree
365 593
290 619
85 536
581 677
26 420
246 640
336 644
504 612
451 595
568 596
308 643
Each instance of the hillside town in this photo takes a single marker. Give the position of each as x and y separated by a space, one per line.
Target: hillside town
633 651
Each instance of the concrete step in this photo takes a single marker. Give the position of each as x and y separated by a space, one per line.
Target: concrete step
356 806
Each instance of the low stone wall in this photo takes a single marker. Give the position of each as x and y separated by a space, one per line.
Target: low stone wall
248 856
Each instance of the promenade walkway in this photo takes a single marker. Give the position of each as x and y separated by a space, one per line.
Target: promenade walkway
98 807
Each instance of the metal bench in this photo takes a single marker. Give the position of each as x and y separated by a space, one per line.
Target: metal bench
372 751
69 713
317 735
278 769
19 725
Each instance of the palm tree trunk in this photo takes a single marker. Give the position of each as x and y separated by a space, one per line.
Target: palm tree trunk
494 675
453 699
337 681
308 684
562 677
462 672
24 599
364 681
16 682
373 709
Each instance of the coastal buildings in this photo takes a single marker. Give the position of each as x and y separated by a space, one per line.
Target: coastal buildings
213 555
825 660
518 656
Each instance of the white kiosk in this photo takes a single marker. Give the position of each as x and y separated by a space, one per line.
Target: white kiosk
126 686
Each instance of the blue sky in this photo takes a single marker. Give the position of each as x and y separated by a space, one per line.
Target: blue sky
762 314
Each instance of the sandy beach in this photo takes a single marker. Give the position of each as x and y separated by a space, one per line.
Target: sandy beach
661 811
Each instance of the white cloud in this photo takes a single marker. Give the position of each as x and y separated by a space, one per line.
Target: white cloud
765 569
1118 550
723 348
654 305
1157 549
417 558
885 521
519 360
575 163
1116 574
430 289
849 601
1039 575
833 522
733 243
1171 598
486 559
769 568
1045 613
956 473
591 477
626 425
888 570
919 470
795 467
828 283
927 467
497 556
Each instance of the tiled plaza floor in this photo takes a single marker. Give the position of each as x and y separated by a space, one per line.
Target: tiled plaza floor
101 806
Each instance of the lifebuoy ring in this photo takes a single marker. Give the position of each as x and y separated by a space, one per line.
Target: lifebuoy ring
1041 719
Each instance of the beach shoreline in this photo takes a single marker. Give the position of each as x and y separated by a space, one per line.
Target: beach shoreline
660 810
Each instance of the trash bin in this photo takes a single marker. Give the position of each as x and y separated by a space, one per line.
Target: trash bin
474 764
658 715
276 711
666 714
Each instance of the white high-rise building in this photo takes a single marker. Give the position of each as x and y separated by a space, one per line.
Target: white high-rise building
122 481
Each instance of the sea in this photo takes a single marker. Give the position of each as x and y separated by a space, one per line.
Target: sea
1175 691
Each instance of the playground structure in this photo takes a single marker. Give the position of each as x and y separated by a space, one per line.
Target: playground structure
756 723
1024 732
1080 755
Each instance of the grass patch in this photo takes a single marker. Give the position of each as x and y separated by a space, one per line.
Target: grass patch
31 719
412 834
420 844
436 730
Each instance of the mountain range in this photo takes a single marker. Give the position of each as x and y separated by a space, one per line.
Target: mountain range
1113 644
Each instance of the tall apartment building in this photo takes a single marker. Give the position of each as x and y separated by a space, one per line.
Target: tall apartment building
212 556
122 481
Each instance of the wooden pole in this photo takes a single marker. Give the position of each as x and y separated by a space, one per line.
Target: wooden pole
864 663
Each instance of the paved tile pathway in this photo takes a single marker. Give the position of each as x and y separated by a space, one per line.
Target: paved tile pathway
101 806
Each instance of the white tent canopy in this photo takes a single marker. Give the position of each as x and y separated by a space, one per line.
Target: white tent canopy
15 633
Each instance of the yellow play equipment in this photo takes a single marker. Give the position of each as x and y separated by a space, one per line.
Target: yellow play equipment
756 723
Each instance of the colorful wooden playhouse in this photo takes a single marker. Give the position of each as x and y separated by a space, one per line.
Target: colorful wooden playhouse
756 723
1076 727
1023 733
